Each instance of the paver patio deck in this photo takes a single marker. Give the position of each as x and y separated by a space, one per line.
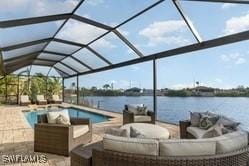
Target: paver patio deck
16 135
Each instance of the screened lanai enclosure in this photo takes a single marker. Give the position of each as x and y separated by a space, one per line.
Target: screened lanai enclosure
46 40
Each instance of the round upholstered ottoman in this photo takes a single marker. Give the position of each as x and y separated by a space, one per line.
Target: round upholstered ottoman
148 130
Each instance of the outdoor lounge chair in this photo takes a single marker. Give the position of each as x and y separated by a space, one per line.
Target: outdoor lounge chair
56 99
24 100
61 139
40 100
131 117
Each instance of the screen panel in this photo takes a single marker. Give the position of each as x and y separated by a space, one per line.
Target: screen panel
113 49
61 47
79 32
50 56
75 65
90 59
28 33
43 63
37 69
158 29
112 12
214 20
18 9
23 51
65 69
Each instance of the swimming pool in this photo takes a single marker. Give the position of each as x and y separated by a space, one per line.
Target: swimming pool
73 112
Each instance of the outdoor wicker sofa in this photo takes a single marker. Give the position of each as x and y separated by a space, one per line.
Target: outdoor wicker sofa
112 158
60 139
131 117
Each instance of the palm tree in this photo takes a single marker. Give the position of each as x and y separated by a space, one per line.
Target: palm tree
106 86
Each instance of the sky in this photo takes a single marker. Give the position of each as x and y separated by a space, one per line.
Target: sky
158 29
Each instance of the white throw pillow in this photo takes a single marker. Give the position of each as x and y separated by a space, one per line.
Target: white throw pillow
53 115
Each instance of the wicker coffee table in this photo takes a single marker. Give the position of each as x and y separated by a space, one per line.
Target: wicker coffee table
82 155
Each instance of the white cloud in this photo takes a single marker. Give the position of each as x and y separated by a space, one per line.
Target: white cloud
29 8
240 61
218 80
237 24
182 86
123 32
228 5
94 2
235 58
81 32
167 32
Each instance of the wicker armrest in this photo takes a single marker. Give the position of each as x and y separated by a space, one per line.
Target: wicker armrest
40 125
184 124
80 121
153 116
128 117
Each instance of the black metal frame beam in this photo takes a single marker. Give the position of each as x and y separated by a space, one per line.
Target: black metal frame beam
229 39
128 43
33 20
21 45
82 63
222 1
73 69
98 55
187 21
91 22
65 73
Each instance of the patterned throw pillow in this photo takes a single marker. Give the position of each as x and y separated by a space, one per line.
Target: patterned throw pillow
141 111
205 123
214 131
62 120
117 132
134 133
195 118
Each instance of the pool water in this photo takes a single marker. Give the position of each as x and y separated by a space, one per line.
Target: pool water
73 112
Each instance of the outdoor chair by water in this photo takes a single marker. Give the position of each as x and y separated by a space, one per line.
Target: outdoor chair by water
61 139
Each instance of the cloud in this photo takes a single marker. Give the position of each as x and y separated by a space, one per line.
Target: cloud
228 5
182 86
81 32
37 7
123 32
94 2
218 80
235 58
237 24
240 61
165 32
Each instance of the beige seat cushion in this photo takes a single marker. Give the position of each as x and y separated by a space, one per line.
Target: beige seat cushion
25 99
191 147
79 130
148 130
231 142
131 145
40 98
53 115
56 98
142 118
